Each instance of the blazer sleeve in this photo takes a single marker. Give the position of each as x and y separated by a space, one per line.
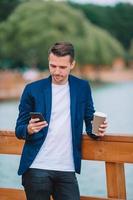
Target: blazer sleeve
89 111
26 105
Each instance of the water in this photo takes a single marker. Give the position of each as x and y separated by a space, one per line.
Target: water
116 100
113 99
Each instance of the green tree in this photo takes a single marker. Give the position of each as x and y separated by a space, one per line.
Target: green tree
115 19
122 15
35 26
131 50
7 7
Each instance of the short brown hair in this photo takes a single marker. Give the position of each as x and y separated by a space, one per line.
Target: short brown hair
62 49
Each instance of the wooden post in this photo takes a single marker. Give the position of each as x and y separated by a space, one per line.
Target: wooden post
115 180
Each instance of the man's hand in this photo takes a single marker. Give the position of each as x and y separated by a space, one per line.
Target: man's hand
34 126
102 129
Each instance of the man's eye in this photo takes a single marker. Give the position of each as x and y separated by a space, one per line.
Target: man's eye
62 67
53 66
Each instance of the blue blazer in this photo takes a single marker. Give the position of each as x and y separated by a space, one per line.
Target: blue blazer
37 97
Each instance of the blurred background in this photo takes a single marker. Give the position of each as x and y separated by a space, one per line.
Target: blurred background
102 33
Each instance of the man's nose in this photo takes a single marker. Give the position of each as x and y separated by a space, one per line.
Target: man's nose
57 70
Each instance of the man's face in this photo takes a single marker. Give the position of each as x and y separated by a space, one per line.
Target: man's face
60 68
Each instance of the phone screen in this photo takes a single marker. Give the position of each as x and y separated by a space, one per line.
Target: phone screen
39 115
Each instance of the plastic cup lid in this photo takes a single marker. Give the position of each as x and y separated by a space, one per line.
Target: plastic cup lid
100 114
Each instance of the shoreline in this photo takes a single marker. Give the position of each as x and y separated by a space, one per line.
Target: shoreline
12 83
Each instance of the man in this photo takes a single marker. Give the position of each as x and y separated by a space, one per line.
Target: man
52 149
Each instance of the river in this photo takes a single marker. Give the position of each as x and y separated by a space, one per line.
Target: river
114 99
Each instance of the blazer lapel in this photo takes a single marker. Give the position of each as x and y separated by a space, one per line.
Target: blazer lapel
73 100
48 98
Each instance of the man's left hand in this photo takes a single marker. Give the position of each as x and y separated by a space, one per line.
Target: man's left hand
102 129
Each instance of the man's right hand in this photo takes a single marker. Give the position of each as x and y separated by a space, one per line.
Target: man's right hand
35 126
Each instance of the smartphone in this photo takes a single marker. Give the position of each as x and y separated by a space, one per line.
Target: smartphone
39 115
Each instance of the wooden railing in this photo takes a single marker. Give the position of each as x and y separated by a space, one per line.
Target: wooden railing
114 150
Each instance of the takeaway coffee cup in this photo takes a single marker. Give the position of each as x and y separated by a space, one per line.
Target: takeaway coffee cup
98 119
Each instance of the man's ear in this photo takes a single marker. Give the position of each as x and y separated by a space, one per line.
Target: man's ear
73 64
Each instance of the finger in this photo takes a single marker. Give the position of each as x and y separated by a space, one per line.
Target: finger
40 123
101 130
34 120
101 134
37 129
103 127
34 129
40 127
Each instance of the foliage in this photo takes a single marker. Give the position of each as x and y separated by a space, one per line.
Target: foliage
7 7
35 25
131 49
115 19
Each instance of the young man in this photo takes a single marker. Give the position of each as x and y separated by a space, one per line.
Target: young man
52 149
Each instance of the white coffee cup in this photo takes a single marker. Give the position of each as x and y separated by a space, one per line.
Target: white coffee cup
98 119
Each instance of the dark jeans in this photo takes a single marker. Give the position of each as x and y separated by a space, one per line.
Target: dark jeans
39 184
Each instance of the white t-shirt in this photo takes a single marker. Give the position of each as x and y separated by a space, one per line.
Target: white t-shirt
56 152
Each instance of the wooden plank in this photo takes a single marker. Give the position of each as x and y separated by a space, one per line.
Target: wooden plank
92 198
9 144
115 137
16 194
105 150
11 194
109 148
115 177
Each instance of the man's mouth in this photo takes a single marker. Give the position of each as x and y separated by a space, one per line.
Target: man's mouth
57 77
